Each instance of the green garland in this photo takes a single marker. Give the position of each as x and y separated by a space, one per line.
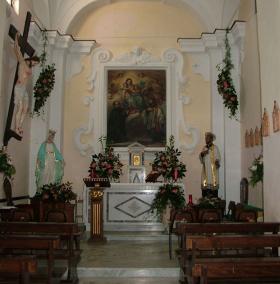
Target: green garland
45 83
168 194
6 166
225 83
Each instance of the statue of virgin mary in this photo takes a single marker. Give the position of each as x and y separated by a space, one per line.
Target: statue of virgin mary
50 163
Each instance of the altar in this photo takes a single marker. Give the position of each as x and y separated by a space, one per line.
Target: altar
126 207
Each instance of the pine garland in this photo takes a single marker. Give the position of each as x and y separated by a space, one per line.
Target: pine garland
45 83
225 83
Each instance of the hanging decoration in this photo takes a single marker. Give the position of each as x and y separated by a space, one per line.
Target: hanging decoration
45 83
225 83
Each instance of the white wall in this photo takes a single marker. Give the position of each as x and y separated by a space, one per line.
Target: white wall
250 96
269 42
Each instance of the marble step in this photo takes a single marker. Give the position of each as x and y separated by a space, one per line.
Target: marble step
136 236
100 272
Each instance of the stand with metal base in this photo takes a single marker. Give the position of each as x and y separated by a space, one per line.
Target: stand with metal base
96 224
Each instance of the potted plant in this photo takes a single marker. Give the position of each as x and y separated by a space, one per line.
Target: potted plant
54 196
256 171
105 164
169 195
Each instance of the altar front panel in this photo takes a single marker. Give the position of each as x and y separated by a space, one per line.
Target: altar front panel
127 207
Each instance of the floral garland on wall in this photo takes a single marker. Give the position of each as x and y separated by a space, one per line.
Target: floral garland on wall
225 83
45 83
6 166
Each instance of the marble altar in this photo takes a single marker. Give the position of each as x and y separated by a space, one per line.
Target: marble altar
126 207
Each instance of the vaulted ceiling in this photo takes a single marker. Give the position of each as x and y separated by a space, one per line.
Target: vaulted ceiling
62 14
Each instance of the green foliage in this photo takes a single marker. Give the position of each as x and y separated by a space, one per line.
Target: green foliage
209 202
105 164
256 171
167 162
225 83
45 82
56 192
6 166
168 194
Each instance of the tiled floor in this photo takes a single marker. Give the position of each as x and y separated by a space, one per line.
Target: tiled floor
127 262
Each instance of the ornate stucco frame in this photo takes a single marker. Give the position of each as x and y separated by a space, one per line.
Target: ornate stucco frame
171 61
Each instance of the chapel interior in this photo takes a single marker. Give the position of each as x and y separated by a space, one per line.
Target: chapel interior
97 47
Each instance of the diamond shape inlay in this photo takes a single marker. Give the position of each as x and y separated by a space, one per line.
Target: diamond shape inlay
133 207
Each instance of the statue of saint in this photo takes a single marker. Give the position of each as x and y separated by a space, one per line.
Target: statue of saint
257 136
252 138
276 117
21 97
210 160
247 139
50 163
265 124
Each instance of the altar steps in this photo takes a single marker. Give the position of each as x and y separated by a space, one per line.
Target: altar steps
136 236
128 257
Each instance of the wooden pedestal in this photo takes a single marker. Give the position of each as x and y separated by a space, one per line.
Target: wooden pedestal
96 224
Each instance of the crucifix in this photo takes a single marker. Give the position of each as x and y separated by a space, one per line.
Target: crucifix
25 47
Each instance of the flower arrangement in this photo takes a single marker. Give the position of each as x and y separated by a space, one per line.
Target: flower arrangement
225 83
167 162
106 164
6 166
256 171
46 80
210 202
168 194
56 192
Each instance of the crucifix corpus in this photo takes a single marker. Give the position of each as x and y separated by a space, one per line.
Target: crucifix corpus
19 99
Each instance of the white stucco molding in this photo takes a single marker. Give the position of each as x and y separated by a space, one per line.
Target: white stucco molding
85 130
100 56
138 56
171 60
198 47
175 57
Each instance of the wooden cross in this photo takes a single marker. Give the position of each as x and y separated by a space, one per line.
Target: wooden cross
25 47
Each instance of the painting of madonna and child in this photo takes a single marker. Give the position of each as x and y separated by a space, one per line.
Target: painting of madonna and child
136 107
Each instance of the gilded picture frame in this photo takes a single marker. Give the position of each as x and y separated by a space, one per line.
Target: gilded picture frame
136 107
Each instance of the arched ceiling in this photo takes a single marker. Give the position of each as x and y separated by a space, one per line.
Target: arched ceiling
61 14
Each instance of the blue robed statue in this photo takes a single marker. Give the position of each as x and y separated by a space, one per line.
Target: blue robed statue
50 163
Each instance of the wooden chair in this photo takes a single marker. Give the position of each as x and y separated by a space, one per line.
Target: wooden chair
56 215
247 216
181 215
210 215
231 211
21 215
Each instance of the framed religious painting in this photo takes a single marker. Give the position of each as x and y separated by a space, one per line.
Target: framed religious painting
136 107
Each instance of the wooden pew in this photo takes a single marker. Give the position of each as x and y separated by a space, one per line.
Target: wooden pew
68 232
219 264
185 230
17 243
22 266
